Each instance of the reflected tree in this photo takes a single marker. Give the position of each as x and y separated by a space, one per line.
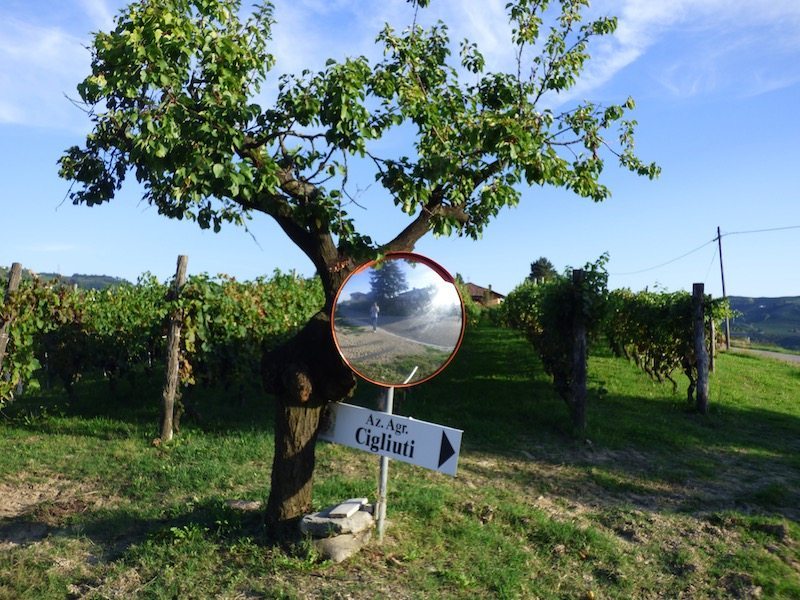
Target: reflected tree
387 282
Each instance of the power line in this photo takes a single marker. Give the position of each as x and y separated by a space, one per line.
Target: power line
710 264
669 262
716 239
761 230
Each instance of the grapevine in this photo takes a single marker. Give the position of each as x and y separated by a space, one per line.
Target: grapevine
62 333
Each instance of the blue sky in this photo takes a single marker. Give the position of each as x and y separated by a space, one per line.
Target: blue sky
717 87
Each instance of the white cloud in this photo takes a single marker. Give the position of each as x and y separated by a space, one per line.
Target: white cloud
100 14
745 47
710 44
10 113
483 22
38 65
310 31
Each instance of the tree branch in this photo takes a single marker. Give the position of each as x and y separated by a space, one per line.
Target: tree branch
406 239
313 237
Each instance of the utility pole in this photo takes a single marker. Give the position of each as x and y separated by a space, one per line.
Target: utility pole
724 295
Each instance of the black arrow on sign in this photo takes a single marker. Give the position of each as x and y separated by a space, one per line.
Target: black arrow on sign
446 451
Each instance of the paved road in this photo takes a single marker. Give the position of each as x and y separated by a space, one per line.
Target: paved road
790 358
440 332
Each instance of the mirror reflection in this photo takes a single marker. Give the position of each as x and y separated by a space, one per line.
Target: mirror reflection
398 321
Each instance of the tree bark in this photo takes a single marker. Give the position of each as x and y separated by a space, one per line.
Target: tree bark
700 352
173 356
14 277
306 373
577 390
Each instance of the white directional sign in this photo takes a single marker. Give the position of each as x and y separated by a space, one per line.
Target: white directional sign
420 443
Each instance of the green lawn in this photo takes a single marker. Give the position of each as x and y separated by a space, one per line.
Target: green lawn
656 501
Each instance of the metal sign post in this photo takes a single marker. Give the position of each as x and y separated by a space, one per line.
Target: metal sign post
383 482
420 309
384 473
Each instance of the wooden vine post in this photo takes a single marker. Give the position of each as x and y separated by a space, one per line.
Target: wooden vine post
173 353
712 357
578 383
700 352
14 277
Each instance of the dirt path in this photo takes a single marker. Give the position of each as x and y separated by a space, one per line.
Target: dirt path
361 344
398 345
441 333
790 358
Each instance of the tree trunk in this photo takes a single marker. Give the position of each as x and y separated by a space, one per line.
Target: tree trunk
14 276
700 353
170 392
577 391
305 373
296 426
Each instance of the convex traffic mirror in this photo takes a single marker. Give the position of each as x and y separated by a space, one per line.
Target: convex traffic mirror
398 321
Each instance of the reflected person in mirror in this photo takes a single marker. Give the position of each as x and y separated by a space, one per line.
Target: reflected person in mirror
374 310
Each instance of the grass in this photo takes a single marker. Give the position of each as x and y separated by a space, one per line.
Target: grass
422 365
654 501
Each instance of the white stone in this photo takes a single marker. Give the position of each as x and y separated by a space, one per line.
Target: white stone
347 508
343 546
321 525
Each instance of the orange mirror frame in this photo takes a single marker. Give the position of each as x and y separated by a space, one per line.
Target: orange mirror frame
398 321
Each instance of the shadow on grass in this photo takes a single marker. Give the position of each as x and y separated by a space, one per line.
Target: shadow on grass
94 412
115 532
494 390
652 450
649 450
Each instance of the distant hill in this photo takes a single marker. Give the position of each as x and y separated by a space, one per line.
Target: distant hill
770 320
87 282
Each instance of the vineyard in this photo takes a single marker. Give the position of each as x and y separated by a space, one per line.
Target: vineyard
649 500
58 333
567 315
662 503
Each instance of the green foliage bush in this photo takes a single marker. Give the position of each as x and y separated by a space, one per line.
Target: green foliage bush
25 313
64 332
472 310
545 313
651 328
110 331
654 330
227 324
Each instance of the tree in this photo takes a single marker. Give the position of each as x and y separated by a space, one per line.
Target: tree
170 98
386 281
542 269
